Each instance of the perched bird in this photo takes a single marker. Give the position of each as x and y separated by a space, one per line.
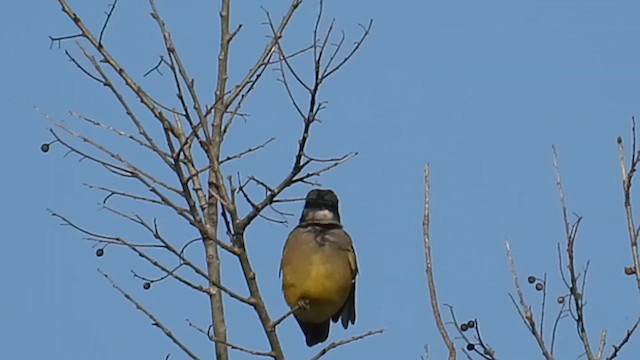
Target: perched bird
319 268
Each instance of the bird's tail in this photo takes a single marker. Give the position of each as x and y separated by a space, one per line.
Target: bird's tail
314 333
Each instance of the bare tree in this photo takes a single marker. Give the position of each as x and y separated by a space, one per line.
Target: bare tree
571 305
186 137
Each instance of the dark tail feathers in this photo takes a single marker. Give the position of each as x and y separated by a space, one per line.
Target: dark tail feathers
314 333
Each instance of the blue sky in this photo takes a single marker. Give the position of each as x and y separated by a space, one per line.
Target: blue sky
480 90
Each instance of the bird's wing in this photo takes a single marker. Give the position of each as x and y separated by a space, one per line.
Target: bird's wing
348 311
343 241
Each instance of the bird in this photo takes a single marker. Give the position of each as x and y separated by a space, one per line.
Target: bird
319 268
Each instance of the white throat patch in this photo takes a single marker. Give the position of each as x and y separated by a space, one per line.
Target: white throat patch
322 215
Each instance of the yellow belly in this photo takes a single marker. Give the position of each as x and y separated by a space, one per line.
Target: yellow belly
324 280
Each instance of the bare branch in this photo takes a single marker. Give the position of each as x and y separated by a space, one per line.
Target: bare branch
155 321
247 198
627 181
431 282
562 313
283 74
184 261
484 350
135 249
366 31
603 343
336 344
233 346
247 151
82 68
624 341
302 304
217 193
577 292
112 8
112 192
155 68
60 39
341 160
108 59
128 170
543 304
245 94
178 67
125 105
525 310
263 59
143 143
487 351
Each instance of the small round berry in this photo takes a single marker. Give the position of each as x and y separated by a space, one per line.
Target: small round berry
464 327
100 252
471 324
531 279
629 270
146 285
539 286
45 147
560 299
471 347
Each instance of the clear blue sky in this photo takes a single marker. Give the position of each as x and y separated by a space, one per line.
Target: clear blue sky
480 90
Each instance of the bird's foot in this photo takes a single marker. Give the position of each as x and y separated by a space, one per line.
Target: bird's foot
303 304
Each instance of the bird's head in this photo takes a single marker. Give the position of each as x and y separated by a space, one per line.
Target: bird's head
321 206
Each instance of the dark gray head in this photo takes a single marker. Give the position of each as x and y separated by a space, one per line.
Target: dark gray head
321 206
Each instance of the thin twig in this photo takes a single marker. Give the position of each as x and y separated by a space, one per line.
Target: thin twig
561 315
577 292
289 313
247 151
155 68
135 139
82 68
231 345
106 21
263 59
155 321
113 192
336 344
524 309
624 341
